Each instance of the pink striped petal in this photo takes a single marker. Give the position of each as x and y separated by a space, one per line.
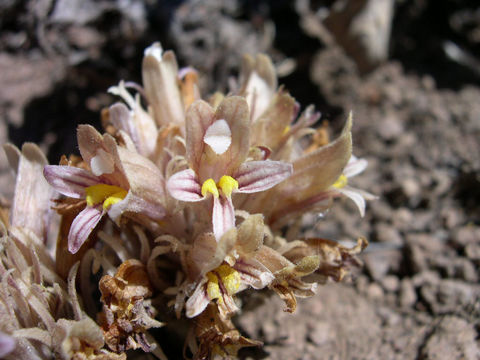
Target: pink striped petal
82 226
253 273
255 176
69 180
184 186
223 216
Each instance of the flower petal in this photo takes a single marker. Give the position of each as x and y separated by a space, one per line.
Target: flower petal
198 301
102 163
184 186
357 196
234 110
223 215
354 195
355 166
82 226
254 176
253 273
218 136
259 83
208 253
32 192
199 117
159 73
68 180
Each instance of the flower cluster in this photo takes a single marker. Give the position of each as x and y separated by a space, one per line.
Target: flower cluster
177 208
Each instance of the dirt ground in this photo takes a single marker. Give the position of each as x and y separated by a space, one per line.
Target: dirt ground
415 96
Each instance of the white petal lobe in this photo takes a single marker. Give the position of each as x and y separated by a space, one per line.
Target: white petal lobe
218 136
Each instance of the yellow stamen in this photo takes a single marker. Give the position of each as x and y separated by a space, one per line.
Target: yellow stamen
213 289
209 186
286 130
227 184
341 182
230 279
106 194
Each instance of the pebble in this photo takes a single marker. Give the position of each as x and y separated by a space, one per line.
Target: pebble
391 283
452 338
375 291
408 296
386 233
321 333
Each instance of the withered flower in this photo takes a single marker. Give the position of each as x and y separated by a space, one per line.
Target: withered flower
217 337
127 314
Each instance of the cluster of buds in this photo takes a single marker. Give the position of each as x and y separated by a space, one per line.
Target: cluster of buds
177 208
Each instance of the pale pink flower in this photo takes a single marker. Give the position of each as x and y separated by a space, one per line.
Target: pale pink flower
117 181
217 145
224 268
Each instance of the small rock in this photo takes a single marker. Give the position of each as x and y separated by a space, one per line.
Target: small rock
473 251
390 128
453 338
453 293
377 264
321 333
466 235
375 291
416 258
465 270
390 283
411 187
386 233
408 296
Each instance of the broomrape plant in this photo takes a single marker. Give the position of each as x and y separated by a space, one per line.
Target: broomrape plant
172 212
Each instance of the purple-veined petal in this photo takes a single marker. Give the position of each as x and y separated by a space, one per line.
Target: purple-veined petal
253 273
198 301
223 215
7 344
82 226
68 180
184 186
355 166
137 206
254 176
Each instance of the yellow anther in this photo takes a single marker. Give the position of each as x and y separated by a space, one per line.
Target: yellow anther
106 194
286 130
227 184
209 186
341 182
113 199
213 289
230 278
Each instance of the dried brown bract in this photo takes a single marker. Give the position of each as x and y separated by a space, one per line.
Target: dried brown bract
127 314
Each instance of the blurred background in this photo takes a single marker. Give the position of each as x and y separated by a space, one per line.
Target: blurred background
410 72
